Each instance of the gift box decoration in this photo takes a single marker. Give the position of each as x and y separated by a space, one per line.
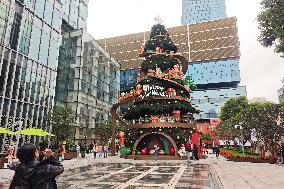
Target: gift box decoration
171 92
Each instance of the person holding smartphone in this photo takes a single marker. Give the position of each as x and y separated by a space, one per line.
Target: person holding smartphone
32 174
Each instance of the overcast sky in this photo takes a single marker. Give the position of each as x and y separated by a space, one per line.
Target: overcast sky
261 69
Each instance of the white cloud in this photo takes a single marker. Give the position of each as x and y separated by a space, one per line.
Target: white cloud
261 69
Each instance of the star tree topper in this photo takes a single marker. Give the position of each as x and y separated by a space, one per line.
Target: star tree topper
159 20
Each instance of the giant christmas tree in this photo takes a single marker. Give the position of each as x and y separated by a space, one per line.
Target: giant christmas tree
161 112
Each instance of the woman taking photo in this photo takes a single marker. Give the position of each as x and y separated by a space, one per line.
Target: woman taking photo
31 174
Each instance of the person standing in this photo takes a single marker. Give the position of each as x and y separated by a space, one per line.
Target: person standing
99 150
95 150
78 150
156 152
217 150
91 147
195 152
282 154
83 150
32 174
189 151
117 148
105 150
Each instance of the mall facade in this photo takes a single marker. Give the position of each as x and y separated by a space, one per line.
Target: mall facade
211 50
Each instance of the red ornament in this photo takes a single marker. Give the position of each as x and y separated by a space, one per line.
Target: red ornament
144 151
172 151
170 131
184 131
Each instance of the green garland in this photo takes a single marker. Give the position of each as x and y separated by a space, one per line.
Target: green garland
162 61
158 107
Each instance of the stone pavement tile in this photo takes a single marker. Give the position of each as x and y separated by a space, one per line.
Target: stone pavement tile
144 187
156 178
138 169
183 185
120 178
240 186
101 186
64 185
167 169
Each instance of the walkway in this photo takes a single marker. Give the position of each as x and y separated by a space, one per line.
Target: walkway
229 175
245 175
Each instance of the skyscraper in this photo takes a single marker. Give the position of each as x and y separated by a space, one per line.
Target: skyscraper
29 46
195 11
30 37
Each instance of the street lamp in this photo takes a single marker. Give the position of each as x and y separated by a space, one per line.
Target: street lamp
242 137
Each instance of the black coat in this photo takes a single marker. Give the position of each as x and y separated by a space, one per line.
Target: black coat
36 175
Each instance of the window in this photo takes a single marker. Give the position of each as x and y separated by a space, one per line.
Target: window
48 12
14 35
39 8
53 53
43 55
35 42
57 20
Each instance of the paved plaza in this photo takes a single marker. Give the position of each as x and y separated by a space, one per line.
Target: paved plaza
136 176
210 173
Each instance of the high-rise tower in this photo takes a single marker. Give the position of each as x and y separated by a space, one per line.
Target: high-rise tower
216 79
195 11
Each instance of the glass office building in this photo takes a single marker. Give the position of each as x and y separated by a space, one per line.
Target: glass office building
30 36
195 11
29 46
128 79
74 14
217 82
88 81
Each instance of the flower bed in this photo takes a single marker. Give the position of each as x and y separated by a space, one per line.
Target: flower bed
271 160
226 154
252 159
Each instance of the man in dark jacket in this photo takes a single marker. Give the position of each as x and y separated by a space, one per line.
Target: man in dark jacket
30 174
195 152
83 148
217 150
